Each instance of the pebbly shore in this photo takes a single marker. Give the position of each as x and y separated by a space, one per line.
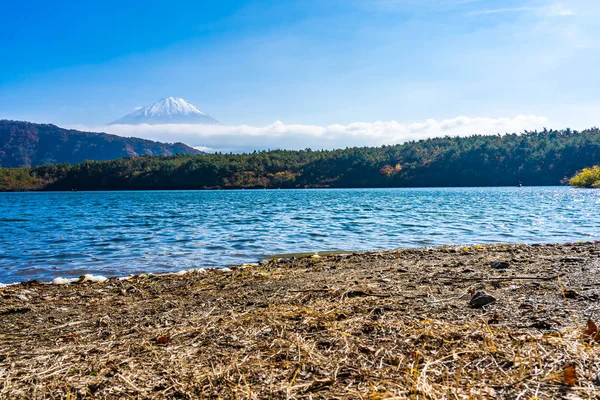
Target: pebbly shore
493 321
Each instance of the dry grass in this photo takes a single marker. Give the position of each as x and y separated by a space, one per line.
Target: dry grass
370 326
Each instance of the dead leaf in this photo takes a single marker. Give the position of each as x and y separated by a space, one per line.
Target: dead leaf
592 330
570 377
162 340
112 366
494 320
319 384
367 349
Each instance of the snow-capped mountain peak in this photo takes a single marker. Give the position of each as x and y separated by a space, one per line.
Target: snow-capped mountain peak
170 110
172 106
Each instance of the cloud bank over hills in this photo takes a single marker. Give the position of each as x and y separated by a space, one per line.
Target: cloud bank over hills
278 135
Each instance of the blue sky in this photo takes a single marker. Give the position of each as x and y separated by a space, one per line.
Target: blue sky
307 63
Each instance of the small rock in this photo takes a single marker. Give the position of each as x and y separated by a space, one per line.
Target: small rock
499 264
341 317
481 299
541 325
378 311
571 259
356 293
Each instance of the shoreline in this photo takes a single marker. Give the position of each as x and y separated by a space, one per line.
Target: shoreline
291 257
402 323
236 189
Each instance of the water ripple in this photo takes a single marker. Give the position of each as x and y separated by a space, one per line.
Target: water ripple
43 235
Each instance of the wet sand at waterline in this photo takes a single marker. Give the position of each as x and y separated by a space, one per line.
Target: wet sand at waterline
493 321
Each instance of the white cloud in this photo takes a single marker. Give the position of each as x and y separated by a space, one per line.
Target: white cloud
241 138
501 10
413 5
206 149
556 10
559 11
473 7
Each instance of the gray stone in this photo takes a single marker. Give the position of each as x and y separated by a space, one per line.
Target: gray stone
499 264
481 299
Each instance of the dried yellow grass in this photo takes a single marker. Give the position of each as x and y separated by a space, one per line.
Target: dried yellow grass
385 325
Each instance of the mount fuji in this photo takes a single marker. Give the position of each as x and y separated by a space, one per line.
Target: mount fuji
170 110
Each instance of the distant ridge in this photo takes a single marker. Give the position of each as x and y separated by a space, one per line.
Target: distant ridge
24 144
170 110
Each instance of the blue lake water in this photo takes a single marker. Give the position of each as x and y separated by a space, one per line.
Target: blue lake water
45 235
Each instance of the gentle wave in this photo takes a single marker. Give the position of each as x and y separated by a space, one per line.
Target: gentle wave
44 235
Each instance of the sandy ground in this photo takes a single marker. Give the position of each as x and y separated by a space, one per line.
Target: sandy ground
397 324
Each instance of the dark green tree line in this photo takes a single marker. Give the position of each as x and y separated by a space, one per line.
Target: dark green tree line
547 157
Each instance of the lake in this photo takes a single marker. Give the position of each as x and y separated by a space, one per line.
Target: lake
48 234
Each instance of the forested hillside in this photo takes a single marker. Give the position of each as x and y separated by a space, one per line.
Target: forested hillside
532 158
27 144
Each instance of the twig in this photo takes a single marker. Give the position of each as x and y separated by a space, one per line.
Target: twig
362 293
510 278
128 382
67 325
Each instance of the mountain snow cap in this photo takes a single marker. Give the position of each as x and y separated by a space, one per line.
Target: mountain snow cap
170 110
